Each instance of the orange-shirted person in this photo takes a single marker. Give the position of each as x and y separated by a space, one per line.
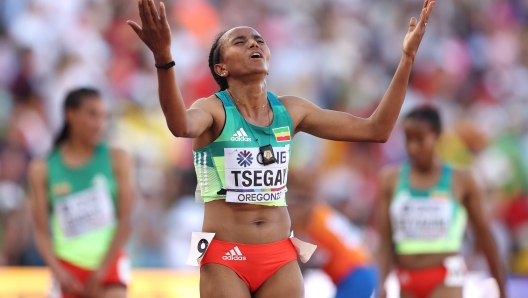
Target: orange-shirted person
340 250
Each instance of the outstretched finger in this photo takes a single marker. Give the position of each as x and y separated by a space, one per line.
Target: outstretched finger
135 27
142 13
163 14
147 14
426 12
153 12
412 24
426 2
429 8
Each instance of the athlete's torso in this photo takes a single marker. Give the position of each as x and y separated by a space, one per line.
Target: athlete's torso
82 203
229 168
427 224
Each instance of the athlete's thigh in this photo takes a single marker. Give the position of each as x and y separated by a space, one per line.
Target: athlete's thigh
218 281
443 291
115 292
286 282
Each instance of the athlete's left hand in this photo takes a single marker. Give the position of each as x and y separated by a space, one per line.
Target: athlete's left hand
93 285
154 30
417 30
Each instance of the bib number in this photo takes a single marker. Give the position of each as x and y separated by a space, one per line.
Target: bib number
85 211
199 245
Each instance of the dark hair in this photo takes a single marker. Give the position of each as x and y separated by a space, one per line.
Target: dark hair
74 99
427 114
214 58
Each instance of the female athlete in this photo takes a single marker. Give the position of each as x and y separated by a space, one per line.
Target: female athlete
241 144
422 217
84 195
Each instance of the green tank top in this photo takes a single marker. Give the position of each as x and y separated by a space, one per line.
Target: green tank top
83 214
231 167
427 221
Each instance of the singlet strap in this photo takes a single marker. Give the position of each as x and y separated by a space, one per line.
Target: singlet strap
274 100
446 181
224 97
403 178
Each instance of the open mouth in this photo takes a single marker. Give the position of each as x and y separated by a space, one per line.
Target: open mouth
256 56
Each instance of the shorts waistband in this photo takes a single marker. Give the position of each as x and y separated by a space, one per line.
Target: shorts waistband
249 248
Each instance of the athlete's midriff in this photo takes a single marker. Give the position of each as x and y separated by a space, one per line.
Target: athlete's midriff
421 261
246 223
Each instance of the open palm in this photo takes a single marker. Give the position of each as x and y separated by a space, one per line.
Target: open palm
154 30
417 30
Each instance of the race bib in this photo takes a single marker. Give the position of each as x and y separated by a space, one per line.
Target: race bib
421 219
248 180
85 211
199 244
456 271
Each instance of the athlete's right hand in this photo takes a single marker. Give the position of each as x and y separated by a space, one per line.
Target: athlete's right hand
154 30
68 283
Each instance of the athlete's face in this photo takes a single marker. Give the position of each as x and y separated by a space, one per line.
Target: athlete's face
243 52
420 142
89 121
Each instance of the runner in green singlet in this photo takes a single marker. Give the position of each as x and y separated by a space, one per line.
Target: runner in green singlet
241 141
82 203
423 211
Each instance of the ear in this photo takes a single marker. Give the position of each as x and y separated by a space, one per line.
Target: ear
69 115
221 70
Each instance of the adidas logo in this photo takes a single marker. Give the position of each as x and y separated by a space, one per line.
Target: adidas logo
234 255
241 136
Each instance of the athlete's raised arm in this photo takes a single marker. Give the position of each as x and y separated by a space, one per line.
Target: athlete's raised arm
341 126
155 33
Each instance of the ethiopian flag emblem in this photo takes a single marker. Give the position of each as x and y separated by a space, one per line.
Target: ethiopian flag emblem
282 134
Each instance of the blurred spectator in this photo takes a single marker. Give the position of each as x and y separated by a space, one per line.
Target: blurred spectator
340 54
14 216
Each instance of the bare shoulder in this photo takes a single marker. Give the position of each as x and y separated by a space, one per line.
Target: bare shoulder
297 107
462 174
294 102
38 169
463 179
120 158
388 178
389 174
209 104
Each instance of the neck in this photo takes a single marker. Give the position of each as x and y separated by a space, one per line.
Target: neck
249 97
78 148
426 168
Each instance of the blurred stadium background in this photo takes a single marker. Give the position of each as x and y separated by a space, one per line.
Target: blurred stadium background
340 54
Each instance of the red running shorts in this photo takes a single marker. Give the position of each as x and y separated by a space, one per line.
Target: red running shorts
253 263
117 275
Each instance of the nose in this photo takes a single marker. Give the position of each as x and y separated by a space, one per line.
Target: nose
253 43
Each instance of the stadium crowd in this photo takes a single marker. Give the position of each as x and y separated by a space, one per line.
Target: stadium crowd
340 54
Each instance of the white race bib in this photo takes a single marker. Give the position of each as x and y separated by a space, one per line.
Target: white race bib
199 244
249 181
421 219
456 271
85 211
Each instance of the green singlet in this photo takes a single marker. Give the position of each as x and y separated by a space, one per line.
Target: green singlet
83 207
231 167
427 221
